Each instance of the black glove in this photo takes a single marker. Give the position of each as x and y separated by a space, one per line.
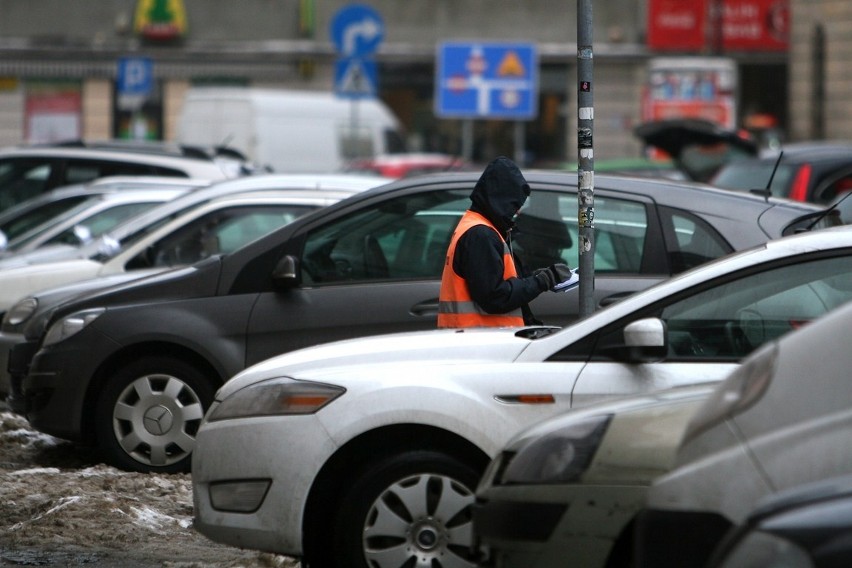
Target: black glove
552 275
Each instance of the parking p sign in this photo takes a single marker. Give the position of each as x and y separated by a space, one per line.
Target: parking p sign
135 76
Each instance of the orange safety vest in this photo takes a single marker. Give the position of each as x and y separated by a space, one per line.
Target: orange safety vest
455 306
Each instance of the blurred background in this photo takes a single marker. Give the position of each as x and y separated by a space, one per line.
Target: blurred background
122 68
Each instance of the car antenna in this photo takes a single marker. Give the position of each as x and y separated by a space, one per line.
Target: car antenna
767 192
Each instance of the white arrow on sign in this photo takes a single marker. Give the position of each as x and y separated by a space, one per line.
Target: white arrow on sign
368 28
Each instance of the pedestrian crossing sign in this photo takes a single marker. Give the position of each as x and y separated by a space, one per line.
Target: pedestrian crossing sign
356 78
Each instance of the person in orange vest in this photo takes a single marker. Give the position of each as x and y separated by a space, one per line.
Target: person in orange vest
482 285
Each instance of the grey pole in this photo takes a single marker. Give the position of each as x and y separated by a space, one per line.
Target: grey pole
586 158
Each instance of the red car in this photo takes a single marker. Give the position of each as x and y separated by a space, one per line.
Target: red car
402 165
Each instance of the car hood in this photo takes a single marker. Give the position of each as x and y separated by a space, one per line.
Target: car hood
360 354
193 281
49 299
41 255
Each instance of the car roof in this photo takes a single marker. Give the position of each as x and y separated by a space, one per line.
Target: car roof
278 182
191 166
811 149
676 193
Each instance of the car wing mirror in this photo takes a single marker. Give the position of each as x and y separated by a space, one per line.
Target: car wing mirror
643 341
286 272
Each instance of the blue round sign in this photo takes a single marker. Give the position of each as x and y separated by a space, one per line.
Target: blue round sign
357 30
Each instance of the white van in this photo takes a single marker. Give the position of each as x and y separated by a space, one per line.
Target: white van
289 131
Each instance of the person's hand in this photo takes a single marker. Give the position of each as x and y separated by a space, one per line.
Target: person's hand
552 275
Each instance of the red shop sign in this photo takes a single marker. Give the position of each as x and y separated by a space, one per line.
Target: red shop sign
747 25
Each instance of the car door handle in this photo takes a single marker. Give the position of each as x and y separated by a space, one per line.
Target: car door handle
426 308
615 298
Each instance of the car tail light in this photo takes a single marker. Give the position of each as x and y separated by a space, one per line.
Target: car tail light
799 189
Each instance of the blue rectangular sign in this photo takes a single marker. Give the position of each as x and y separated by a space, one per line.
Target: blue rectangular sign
487 80
135 76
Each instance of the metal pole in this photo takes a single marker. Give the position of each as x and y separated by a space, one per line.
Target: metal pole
519 143
467 139
586 158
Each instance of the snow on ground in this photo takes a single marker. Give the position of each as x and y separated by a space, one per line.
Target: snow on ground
59 506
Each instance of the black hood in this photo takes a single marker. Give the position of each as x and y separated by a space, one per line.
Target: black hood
500 192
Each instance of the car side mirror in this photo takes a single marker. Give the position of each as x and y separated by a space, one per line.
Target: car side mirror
645 340
286 272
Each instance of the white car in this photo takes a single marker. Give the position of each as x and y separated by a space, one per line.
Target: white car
28 214
92 218
25 274
570 486
367 451
28 171
782 419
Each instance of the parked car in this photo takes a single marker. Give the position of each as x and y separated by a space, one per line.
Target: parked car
27 171
366 266
393 432
698 147
569 487
780 420
89 220
408 164
807 526
28 214
807 171
209 221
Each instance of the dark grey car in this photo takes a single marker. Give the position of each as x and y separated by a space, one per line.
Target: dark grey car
134 367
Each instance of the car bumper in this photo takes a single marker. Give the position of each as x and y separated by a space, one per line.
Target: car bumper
58 381
7 342
17 356
288 451
677 539
537 526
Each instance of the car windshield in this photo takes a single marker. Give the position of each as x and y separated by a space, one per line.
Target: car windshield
746 175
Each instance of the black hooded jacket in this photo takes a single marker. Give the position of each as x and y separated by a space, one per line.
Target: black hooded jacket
498 195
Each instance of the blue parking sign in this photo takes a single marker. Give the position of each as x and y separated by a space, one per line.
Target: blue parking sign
487 80
135 76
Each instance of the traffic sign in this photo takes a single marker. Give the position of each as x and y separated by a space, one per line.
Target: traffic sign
357 30
135 76
355 78
134 82
487 80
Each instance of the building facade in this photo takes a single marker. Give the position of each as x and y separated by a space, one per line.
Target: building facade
61 64
820 60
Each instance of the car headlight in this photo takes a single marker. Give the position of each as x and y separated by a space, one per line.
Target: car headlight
276 397
19 313
71 325
560 456
743 387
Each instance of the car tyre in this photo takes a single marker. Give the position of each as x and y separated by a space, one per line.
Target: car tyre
410 509
149 412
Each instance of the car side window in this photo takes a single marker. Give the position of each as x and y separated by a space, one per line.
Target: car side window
404 238
547 232
98 224
730 320
218 232
23 178
690 240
